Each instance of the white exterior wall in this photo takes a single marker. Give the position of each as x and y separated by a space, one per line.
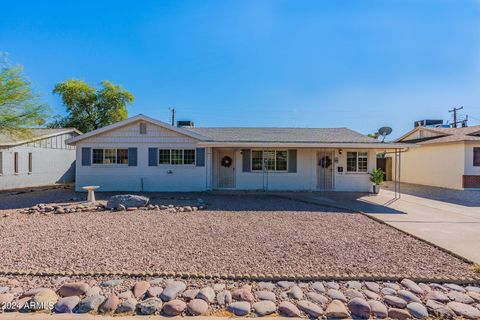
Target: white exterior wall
52 162
142 177
305 179
469 168
439 165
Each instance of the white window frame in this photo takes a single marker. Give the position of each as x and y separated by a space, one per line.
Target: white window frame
357 162
183 164
109 164
263 160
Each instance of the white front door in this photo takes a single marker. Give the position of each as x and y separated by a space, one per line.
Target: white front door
325 170
226 169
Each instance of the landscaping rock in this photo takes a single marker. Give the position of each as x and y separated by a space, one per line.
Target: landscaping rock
333 285
266 286
73 289
90 303
67 304
437 296
310 308
395 302
243 294
392 285
473 288
217 287
464 310
266 295
399 314
295 293
355 285
337 310
408 296
140 288
454 287
150 306
93 291
127 200
154 292
440 310
110 304
4 289
172 290
378 309
197 307
371 295
45 299
359 308
190 294
285 284
336 295
352 293
318 286
207 294
224 298
388 292
417 310
126 294
111 283
412 286
263 308
460 297
372 286
474 295
317 298
174 307
127 306
288 309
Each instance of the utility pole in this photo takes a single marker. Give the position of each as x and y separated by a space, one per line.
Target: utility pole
454 110
173 116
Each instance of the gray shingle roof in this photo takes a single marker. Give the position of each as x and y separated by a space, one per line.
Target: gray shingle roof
450 135
285 135
34 134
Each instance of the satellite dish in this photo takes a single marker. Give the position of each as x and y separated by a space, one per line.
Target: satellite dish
384 131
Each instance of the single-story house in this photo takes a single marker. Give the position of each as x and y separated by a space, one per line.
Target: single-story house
445 157
144 154
38 159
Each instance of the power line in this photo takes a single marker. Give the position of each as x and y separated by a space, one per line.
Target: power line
454 110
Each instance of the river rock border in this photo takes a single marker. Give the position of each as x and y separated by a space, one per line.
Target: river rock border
405 299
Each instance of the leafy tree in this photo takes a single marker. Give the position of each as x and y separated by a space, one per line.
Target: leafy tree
374 135
20 108
90 108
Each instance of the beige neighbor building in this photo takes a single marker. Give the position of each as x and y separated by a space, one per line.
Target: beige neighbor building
144 154
446 157
40 159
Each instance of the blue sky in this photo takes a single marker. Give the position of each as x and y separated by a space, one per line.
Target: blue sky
357 64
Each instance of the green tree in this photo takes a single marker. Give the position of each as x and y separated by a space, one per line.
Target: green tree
374 135
90 108
20 108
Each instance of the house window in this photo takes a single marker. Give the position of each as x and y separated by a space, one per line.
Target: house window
143 128
476 157
176 156
15 162
30 164
357 161
269 160
110 156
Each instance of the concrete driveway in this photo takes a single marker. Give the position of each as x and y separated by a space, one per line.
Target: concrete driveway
447 218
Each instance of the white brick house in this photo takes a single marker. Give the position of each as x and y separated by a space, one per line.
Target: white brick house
143 154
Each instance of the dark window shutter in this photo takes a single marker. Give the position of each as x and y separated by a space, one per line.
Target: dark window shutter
132 157
246 160
292 160
200 156
86 156
476 157
152 157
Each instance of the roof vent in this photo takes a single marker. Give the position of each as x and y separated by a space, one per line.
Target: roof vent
185 124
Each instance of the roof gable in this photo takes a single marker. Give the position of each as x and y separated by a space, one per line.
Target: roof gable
441 135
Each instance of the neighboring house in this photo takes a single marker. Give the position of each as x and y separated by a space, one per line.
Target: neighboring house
143 154
446 157
39 159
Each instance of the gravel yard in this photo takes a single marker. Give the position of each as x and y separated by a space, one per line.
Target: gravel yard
237 234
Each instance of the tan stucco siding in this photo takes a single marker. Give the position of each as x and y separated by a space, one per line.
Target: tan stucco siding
440 165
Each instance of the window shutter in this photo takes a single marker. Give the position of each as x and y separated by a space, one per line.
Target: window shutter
132 157
200 157
86 156
152 157
476 157
246 160
292 160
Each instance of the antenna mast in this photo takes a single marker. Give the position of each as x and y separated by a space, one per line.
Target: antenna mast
173 115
